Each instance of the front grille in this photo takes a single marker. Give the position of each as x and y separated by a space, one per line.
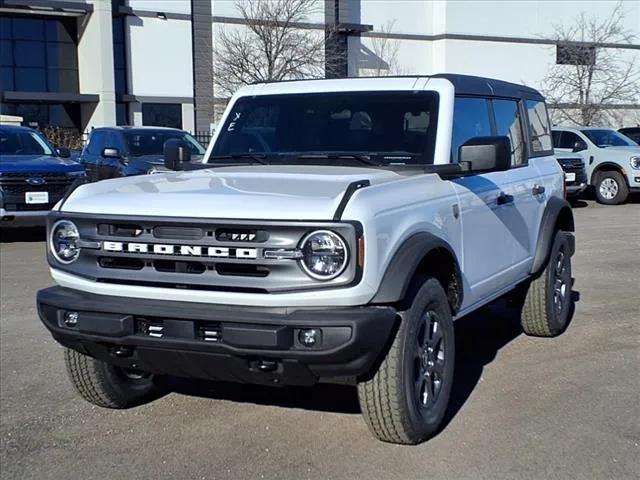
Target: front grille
571 164
199 254
14 187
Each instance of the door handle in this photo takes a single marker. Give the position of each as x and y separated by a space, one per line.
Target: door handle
505 199
538 190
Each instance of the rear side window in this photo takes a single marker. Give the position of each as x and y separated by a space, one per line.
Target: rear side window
470 119
508 124
539 128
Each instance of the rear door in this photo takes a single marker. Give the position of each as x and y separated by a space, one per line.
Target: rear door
522 186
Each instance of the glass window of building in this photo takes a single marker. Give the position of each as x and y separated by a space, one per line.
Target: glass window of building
39 55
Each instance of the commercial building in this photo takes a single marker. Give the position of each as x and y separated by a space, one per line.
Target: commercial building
83 63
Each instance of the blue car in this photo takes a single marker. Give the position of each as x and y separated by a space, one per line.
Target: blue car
34 176
113 152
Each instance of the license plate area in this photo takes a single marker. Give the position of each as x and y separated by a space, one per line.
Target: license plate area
570 177
36 197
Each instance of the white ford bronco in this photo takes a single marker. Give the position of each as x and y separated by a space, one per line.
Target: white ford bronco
334 232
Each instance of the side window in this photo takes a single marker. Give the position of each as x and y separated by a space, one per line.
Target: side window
96 142
539 127
470 119
508 124
569 140
556 138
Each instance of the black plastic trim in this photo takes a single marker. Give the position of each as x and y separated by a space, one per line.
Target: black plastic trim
611 165
259 333
555 206
351 189
403 265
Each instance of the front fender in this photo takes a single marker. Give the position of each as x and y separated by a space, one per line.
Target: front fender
404 263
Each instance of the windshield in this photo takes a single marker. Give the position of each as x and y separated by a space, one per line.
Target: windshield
608 138
152 142
23 142
396 128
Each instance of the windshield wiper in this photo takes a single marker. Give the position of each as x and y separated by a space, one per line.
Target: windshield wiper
256 157
362 158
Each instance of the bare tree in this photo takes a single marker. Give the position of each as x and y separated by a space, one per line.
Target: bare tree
276 42
591 75
383 55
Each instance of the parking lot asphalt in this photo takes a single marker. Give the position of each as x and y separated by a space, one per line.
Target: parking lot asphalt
567 407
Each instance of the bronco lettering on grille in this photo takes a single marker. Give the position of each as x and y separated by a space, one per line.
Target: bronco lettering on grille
187 250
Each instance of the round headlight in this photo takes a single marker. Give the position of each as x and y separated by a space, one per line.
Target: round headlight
64 241
324 255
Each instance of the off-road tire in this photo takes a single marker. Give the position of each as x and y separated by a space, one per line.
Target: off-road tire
109 386
539 316
622 188
389 401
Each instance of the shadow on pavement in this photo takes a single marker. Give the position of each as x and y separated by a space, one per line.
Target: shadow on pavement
322 397
479 337
25 234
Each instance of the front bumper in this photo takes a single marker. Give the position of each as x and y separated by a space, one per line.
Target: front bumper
220 342
23 218
575 189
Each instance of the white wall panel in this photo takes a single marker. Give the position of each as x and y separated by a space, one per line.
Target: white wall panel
532 18
160 57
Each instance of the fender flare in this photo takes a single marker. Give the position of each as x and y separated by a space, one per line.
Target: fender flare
556 209
611 166
404 263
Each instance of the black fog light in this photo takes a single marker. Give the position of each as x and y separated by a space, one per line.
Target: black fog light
309 337
70 319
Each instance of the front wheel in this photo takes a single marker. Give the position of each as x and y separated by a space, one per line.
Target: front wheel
611 188
107 385
406 400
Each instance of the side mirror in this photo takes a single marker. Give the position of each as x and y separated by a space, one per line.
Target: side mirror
176 152
485 154
111 153
579 146
63 152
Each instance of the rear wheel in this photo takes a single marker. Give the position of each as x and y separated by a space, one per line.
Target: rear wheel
406 399
547 302
611 188
107 385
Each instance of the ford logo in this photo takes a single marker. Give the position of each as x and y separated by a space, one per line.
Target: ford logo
36 181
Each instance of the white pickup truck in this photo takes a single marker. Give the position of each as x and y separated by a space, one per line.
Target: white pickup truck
334 232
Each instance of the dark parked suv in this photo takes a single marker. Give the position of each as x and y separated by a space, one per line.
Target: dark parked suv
113 152
33 176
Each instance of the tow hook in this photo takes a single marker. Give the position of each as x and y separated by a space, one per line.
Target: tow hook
122 352
265 366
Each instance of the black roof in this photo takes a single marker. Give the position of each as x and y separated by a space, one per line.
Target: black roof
463 84
471 85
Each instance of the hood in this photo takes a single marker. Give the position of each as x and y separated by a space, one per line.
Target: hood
37 164
268 192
